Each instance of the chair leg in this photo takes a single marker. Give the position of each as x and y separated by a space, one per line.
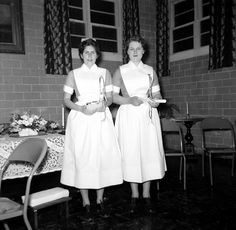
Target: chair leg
36 220
6 226
158 185
180 168
184 159
67 212
233 158
203 164
210 166
27 223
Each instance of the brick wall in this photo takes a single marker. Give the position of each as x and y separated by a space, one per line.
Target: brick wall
147 21
24 85
209 93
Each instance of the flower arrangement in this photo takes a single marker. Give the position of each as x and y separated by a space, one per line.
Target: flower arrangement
51 126
30 121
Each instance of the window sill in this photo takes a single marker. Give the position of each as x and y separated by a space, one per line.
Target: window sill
189 54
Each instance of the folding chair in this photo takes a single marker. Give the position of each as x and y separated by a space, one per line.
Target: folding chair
222 128
33 151
172 129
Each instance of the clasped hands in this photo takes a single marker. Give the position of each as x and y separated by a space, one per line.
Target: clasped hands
136 101
93 107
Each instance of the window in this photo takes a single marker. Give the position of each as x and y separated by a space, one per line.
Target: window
99 19
11 27
190 28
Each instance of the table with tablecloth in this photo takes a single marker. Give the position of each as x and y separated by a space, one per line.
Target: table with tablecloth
51 163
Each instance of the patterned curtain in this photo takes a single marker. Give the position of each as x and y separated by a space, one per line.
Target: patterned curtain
223 34
162 38
58 59
130 23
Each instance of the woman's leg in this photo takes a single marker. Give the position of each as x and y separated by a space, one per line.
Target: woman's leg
85 196
146 197
134 197
101 208
146 189
86 205
134 190
100 193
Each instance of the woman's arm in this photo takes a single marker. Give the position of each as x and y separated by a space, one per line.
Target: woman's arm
68 91
156 93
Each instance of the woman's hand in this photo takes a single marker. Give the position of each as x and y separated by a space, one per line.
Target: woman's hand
153 103
89 109
136 101
101 106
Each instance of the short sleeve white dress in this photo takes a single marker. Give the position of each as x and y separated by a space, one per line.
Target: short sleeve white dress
92 158
139 134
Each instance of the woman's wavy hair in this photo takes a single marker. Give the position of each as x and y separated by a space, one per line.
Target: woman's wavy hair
136 38
89 42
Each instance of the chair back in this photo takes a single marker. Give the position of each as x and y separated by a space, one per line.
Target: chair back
33 151
217 124
170 127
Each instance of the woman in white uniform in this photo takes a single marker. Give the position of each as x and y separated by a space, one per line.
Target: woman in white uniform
137 122
92 158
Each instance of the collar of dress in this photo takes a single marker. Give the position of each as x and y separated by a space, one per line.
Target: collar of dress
133 66
94 68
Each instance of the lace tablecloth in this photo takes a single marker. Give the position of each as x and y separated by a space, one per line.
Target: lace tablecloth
51 163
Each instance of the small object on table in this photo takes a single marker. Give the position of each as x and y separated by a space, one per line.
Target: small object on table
188 123
187 110
62 116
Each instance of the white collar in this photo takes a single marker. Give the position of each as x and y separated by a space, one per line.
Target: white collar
133 66
86 68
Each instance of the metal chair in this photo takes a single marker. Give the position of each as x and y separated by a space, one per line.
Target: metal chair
220 128
33 151
50 197
172 129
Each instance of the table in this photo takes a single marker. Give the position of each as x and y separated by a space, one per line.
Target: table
189 122
51 163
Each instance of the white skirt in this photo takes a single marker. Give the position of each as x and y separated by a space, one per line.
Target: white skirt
92 158
140 141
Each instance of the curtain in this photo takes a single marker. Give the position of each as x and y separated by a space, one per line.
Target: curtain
162 38
58 59
222 34
130 23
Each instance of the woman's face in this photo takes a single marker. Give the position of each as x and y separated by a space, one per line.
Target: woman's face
89 56
135 51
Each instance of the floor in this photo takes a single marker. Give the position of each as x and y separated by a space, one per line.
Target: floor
200 207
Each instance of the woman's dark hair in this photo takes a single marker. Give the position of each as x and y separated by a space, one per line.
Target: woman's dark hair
136 38
89 42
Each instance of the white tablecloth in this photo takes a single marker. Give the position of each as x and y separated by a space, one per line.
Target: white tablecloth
51 163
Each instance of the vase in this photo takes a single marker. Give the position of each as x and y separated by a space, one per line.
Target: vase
27 132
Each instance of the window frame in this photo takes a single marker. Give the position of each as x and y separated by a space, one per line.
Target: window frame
106 56
197 50
18 44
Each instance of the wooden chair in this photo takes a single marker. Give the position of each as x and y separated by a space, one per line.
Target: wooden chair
222 128
33 151
172 129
